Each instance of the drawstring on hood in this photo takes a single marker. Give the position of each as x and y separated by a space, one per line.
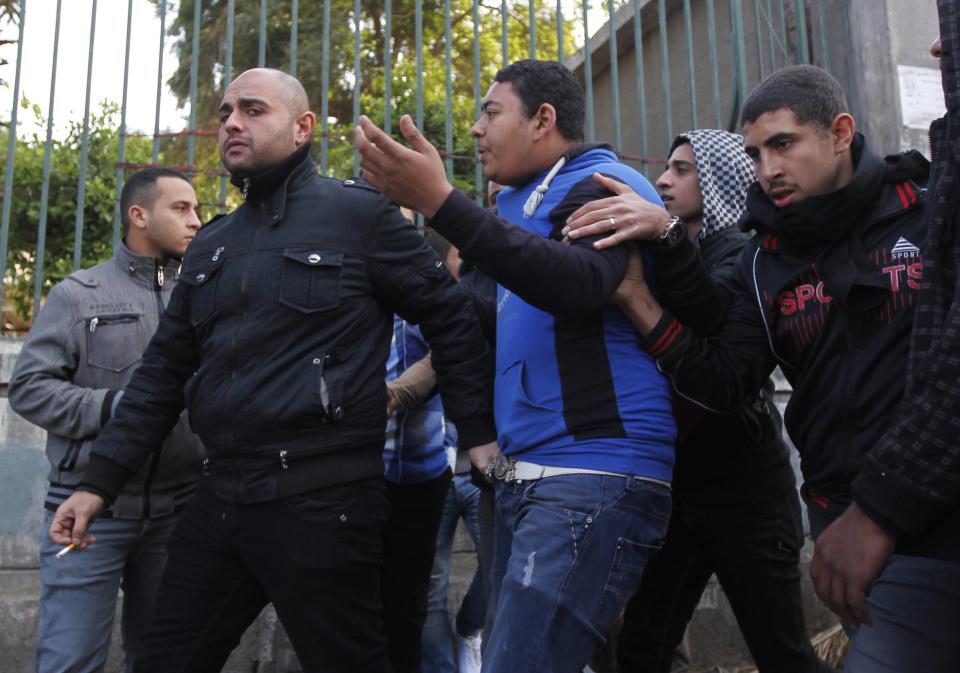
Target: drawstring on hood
536 196
725 173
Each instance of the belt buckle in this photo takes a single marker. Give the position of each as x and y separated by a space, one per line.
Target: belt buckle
502 468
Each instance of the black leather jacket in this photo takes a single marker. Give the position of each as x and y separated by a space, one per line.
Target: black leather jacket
277 336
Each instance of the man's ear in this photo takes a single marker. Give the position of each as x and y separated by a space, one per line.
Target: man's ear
304 124
842 130
545 119
137 216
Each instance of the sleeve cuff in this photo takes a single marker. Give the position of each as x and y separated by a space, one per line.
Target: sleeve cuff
890 502
109 406
664 337
475 431
104 478
451 214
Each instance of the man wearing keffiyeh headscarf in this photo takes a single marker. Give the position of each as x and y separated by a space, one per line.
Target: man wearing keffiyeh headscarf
736 512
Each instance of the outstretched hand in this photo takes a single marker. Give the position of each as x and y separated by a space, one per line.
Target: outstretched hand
625 217
410 176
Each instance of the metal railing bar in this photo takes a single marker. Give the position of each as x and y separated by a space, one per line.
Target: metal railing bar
388 68
641 79
194 70
712 43
122 139
262 39
824 35
691 67
504 32
614 73
84 147
782 15
739 49
588 70
803 52
45 186
477 168
771 36
227 78
758 35
560 31
448 90
665 58
357 79
418 38
294 34
325 89
156 115
533 28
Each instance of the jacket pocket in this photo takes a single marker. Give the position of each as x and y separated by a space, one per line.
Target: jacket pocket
329 388
522 421
114 342
311 279
201 275
75 458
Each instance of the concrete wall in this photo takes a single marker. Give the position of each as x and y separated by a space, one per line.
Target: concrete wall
861 42
714 637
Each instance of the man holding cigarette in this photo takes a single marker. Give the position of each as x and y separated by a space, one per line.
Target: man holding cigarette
276 341
79 356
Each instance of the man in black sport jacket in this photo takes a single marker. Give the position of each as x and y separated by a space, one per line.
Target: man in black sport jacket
825 289
276 340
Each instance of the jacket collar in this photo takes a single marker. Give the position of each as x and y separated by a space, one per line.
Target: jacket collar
270 186
144 268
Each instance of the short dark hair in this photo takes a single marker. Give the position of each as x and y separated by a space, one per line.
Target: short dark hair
811 93
539 82
141 189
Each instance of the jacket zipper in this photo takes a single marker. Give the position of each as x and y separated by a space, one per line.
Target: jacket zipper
119 319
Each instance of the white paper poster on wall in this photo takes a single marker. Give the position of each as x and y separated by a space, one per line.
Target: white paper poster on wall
921 96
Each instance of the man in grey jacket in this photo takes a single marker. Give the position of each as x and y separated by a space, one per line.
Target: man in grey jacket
84 346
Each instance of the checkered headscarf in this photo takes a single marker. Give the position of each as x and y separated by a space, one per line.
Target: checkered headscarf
724 171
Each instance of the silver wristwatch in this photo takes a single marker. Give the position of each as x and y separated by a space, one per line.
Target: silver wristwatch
673 232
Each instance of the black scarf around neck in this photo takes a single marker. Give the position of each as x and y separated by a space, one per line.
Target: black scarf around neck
828 227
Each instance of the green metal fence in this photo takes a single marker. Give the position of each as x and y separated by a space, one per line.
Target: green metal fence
385 58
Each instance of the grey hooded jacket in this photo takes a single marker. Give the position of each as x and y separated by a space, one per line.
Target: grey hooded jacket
85 344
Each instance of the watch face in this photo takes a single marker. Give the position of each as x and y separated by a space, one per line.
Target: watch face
673 232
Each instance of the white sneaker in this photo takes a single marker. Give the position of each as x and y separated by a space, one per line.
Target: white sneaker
468 654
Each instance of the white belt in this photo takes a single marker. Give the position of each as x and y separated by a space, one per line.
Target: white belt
519 470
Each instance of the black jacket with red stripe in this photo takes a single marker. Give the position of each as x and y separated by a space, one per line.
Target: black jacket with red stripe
845 356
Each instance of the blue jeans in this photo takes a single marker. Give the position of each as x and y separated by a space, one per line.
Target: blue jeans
79 595
569 552
915 608
462 501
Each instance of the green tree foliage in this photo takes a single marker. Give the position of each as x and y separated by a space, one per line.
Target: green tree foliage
211 66
98 206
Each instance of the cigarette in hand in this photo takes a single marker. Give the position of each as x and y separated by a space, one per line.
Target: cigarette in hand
63 552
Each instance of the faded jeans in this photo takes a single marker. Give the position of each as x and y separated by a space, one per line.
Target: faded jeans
79 595
569 552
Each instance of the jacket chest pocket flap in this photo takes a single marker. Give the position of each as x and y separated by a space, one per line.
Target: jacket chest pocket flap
311 279
201 276
114 342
